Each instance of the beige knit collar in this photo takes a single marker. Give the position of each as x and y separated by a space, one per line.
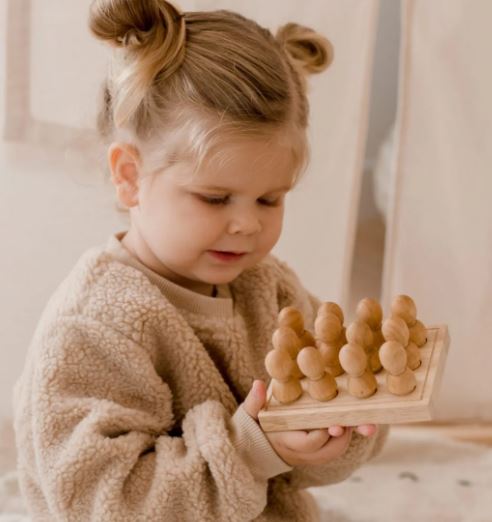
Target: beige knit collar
181 297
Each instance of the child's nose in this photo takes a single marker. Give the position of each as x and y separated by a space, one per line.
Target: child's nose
245 222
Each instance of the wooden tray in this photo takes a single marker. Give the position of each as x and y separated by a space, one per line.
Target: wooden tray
381 408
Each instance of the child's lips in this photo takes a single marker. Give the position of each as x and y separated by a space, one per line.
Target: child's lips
227 256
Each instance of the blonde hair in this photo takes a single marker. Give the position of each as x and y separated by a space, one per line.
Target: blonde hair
205 76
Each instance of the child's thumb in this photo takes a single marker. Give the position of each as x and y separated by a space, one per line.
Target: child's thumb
256 399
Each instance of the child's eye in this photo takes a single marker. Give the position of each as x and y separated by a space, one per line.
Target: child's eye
270 202
211 200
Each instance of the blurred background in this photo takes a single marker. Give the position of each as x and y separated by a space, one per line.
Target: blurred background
396 198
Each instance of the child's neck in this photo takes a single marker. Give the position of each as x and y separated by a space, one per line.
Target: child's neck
142 253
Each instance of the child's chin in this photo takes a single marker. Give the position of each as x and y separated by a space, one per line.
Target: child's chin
224 279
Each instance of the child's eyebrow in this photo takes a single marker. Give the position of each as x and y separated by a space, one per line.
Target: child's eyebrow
283 188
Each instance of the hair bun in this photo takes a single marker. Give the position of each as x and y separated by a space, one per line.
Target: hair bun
307 48
152 34
127 23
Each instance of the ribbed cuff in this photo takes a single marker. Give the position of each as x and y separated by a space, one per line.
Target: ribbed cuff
254 448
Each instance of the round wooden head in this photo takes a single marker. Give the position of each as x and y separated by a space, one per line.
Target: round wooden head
395 329
359 332
310 362
403 306
330 307
284 338
279 365
353 359
370 311
327 328
290 316
393 357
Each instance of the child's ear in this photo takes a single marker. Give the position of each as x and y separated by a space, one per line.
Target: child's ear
124 165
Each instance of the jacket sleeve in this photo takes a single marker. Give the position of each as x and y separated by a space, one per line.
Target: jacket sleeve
292 293
100 426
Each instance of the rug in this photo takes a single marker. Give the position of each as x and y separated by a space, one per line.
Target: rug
418 477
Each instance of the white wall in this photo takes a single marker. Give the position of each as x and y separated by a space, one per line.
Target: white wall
66 64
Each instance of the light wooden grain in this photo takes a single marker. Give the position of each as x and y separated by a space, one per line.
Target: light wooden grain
381 408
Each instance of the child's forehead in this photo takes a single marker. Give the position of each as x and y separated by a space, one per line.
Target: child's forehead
246 161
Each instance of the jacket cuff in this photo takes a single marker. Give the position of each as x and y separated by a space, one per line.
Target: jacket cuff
254 448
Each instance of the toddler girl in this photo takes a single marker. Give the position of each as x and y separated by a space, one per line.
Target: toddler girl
144 378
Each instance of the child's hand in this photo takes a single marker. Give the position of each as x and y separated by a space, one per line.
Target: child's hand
304 447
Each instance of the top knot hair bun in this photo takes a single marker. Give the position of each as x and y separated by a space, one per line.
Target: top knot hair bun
310 51
133 24
152 35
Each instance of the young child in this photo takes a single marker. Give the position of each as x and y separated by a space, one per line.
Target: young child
142 386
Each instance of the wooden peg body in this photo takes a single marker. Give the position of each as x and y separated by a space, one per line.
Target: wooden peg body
370 312
402 384
362 386
329 353
395 329
400 379
361 382
321 385
328 333
403 306
291 317
285 338
286 387
286 391
413 356
418 333
359 332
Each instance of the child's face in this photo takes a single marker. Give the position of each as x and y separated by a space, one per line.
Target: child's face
206 228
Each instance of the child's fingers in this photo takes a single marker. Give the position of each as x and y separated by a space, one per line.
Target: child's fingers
336 431
367 430
305 441
255 399
335 447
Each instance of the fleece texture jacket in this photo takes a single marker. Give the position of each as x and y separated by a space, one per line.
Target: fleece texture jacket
129 404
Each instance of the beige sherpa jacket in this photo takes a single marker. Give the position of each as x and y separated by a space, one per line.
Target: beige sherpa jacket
127 408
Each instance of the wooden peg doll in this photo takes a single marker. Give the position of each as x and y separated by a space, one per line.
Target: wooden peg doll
404 306
359 332
329 307
400 379
395 329
285 338
291 317
285 387
321 385
360 380
329 339
370 311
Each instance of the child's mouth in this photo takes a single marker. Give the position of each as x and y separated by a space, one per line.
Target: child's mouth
227 256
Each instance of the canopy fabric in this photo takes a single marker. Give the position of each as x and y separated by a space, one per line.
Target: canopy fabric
439 236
